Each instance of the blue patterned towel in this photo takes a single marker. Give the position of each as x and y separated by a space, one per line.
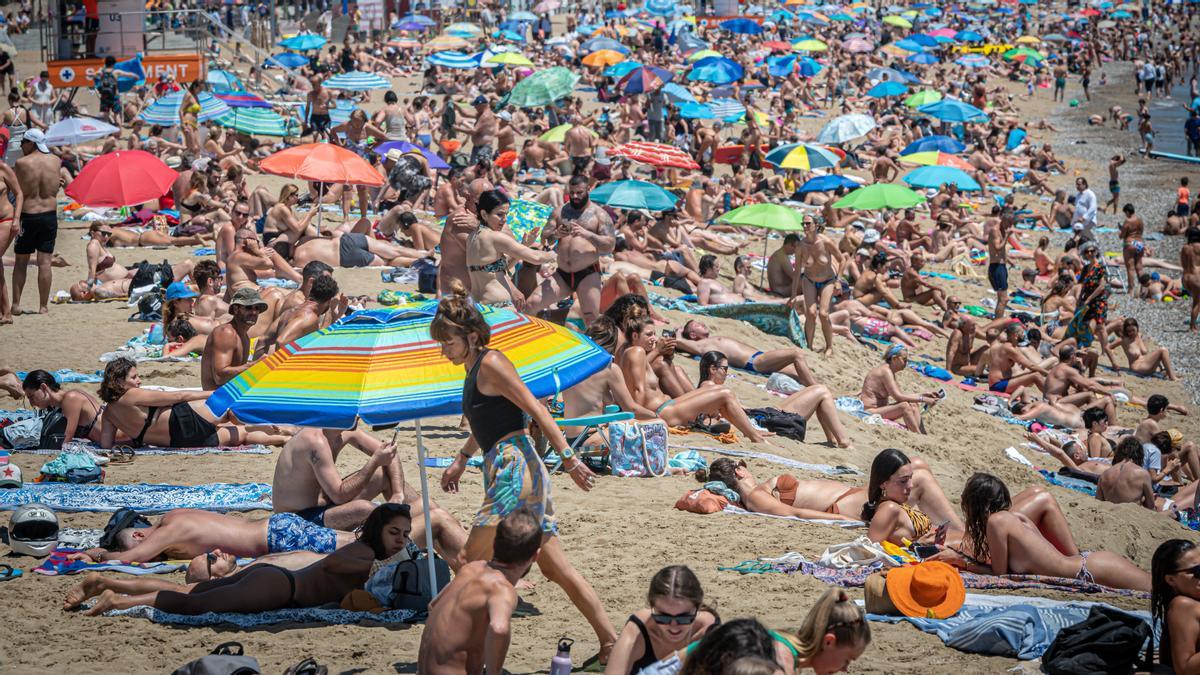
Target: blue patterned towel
143 497
244 621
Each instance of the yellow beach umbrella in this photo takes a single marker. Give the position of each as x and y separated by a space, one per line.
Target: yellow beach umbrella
899 22
559 134
510 59
602 58
1028 40
701 54
810 45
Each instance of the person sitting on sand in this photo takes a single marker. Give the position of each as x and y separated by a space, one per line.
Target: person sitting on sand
307 482
182 339
1126 481
784 495
588 398
916 289
260 588
714 371
903 500
227 351
680 617
1005 541
634 358
871 287
961 356
696 338
1144 361
173 419
468 628
1175 603
713 292
81 411
1004 356
880 389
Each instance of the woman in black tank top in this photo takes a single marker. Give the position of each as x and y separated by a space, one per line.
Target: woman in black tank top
495 403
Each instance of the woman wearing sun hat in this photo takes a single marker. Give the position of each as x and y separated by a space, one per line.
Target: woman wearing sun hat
929 590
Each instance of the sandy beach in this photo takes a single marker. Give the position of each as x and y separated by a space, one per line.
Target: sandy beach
623 531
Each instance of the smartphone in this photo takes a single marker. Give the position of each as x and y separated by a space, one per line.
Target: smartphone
924 551
939 537
668 332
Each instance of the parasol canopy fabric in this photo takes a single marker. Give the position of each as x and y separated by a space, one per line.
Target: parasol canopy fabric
322 162
634 194
122 178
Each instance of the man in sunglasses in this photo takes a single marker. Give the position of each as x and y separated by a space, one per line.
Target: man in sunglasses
468 626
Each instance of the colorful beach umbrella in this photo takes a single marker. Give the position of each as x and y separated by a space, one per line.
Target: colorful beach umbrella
702 54
935 143
431 158
973 61
165 111
243 99
716 69
937 158
1024 54
880 196
260 122
937 176
846 128
655 154
726 108
644 80
357 80
121 178
803 156
76 130
543 87
303 42
634 194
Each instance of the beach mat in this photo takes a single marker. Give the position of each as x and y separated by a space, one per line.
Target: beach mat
58 565
77 445
302 615
738 511
142 497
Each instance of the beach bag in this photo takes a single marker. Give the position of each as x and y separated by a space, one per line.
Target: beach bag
405 584
1107 641
427 272
701 501
54 430
227 659
26 433
786 424
638 449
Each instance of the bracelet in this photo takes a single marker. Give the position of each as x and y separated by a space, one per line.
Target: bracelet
468 455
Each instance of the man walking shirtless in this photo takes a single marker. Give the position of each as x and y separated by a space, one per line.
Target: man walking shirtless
37 172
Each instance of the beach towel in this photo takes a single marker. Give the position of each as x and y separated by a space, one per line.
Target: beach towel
738 511
775 459
857 577
272 617
68 376
78 445
525 216
57 565
1012 626
772 318
142 497
140 349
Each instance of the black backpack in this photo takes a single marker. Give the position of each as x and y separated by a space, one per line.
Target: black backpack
411 587
1108 641
786 424
227 659
106 85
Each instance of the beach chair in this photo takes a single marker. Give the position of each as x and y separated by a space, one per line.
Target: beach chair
597 461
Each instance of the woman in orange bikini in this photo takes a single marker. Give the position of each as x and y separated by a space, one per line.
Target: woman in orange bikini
786 495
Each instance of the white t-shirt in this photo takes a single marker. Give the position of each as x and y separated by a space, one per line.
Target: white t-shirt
1152 460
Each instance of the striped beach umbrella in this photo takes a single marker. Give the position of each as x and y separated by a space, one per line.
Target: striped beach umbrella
165 111
726 107
973 61
456 60
937 158
443 43
357 80
655 154
260 122
804 156
243 99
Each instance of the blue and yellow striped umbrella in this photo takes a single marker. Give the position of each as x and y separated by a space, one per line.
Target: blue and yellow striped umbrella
383 367
804 156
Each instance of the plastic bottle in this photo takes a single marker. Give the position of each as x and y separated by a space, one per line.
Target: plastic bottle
561 663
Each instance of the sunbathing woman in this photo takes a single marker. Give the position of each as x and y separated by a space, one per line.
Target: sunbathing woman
281 228
1175 604
675 618
785 495
714 370
1144 361
266 587
174 419
125 237
635 356
81 410
1005 541
204 211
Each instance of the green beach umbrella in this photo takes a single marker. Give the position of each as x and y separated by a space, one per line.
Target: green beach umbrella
559 134
543 87
880 196
702 54
767 216
923 97
259 122
1026 53
510 59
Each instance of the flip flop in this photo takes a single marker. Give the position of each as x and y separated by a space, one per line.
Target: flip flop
8 572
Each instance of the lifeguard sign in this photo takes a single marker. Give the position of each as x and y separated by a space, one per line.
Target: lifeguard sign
81 72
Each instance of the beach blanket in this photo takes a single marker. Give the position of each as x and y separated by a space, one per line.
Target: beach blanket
1007 625
57 565
143 497
738 511
78 445
857 577
772 318
272 617
68 376
775 459
140 349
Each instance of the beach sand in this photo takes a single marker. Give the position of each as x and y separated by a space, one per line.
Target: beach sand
618 535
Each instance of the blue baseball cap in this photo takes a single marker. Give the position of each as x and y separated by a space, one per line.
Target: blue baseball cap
179 291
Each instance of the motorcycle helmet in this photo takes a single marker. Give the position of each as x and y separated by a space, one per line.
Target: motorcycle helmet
33 530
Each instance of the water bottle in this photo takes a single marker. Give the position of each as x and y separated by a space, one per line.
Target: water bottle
561 663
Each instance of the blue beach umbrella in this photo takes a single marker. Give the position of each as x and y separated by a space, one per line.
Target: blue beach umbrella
923 58
286 60
886 89
939 143
937 176
923 39
634 194
692 110
598 43
827 183
910 46
303 42
619 70
223 82
950 110
809 67
660 7
677 93
741 26
523 16
457 60
418 18
968 36
716 69
781 66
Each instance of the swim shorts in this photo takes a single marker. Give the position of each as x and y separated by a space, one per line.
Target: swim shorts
353 251
320 122
38 233
998 276
1001 386
482 153
1114 187
1182 210
289 532
513 477
190 430
314 515
750 363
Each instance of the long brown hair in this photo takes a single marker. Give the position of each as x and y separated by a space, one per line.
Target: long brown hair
983 495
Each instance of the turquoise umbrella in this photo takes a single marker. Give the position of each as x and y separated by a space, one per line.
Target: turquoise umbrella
303 42
937 176
260 122
634 194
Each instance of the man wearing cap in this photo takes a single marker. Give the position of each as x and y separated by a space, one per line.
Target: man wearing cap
227 351
38 174
483 133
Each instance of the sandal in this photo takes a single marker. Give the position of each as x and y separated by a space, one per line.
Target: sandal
307 667
121 454
8 572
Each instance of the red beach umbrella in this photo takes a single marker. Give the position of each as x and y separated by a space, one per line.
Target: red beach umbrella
122 178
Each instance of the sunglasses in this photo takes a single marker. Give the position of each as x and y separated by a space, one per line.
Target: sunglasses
680 619
210 558
243 214
1194 571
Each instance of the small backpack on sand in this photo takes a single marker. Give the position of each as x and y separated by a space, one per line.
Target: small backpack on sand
226 659
1108 641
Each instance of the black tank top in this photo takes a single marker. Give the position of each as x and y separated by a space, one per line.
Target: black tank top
490 417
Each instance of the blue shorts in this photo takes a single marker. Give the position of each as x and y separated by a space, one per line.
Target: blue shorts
750 363
1001 386
998 276
289 532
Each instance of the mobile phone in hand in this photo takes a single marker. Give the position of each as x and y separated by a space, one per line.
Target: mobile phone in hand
939 537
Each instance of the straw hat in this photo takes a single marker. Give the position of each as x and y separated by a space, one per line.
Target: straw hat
932 590
1176 438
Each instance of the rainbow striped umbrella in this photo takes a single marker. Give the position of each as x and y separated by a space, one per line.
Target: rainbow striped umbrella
383 367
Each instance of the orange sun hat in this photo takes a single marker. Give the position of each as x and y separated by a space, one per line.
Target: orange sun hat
929 590
506 159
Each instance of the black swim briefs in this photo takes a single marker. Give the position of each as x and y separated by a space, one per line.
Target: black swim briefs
38 233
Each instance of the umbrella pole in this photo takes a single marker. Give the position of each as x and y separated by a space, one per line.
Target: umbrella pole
321 207
762 280
428 518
